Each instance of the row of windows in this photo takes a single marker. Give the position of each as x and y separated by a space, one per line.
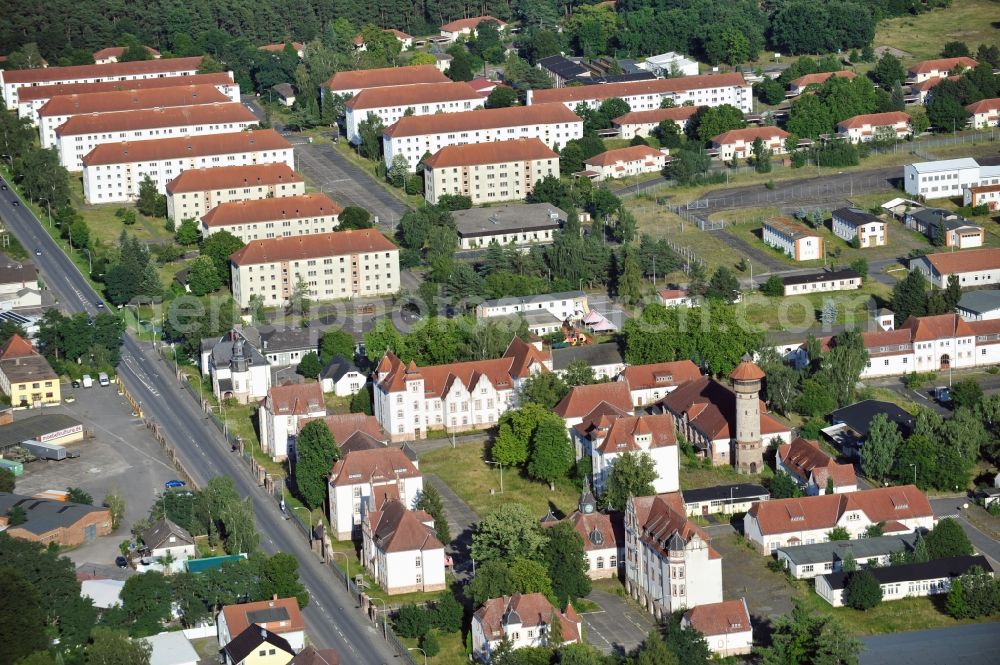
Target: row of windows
250 157
168 131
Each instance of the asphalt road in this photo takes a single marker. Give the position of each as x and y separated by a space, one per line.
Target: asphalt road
954 506
974 644
331 617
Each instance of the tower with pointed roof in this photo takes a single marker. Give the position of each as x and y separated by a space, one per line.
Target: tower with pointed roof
748 446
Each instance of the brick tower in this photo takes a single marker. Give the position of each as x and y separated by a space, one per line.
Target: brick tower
748 447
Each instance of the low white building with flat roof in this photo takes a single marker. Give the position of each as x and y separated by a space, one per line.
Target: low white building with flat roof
519 223
670 64
569 305
947 178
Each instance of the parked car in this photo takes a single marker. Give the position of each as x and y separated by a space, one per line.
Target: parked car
87 381
121 562
174 484
75 383
102 378
942 394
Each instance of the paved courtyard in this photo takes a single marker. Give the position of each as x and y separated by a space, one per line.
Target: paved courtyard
745 574
618 627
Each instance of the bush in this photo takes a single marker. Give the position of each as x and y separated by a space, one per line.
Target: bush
863 591
774 286
412 621
429 643
914 380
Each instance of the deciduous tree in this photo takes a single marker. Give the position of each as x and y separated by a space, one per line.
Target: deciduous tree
880 447
510 531
22 618
863 591
431 503
632 474
315 453
567 565
947 539
551 456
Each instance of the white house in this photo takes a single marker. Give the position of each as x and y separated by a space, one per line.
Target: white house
274 217
670 64
984 113
820 281
342 377
875 126
238 370
796 240
79 135
280 412
813 469
670 563
938 68
392 103
624 162
414 136
851 223
974 267
738 143
196 191
411 400
114 53
807 520
61 108
676 298
467 26
642 123
907 580
400 550
166 540
565 306
723 499
605 438
525 620
983 195
366 479
112 172
650 383
726 626
703 90
947 178
280 616
603 535
350 82
809 561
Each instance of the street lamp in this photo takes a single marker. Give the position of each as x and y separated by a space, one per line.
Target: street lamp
90 260
420 650
385 616
48 205
222 412
310 521
914 473
347 568
500 464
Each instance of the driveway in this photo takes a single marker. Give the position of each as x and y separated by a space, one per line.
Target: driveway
618 627
978 533
461 520
974 644
745 574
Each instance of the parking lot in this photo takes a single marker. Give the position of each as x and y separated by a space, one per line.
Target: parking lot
745 574
618 626
121 455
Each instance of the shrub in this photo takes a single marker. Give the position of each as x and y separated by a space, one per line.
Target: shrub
412 621
863 591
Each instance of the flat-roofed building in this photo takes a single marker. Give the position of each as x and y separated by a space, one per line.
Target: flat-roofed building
642 123
350 83
851 223
938 68
566 306
520 223
489 172
196 191
875 126
792 238
670 64
300 215
723 499
823 280
624 162
809 561
413 136
344 264
984 113
12 80
112 171
31 100
82 133
947 178
705 90
392 103
738 143
59 109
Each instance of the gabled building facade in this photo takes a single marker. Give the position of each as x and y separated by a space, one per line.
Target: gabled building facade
651 383
367 479
813 469
524 620
401 551
606 437
280 412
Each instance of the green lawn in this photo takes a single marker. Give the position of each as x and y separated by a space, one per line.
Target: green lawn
655 220
795 311
452 649
464 471
923 36
693 477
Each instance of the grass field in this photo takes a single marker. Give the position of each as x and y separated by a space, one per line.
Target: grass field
923 36
654 220
464 471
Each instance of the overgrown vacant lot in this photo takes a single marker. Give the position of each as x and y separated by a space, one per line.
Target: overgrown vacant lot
971 21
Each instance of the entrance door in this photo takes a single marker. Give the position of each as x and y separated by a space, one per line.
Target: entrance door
90 532
945 361
704 510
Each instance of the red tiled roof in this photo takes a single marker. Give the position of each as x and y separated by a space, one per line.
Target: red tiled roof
985 189
237 619
984 106
678 114
292 248
632 153
941 326
469 23
655 375
749 135
398 34
672 294
110 70
924 86
941 64
345 425
662 517
119 51
729 616
464 121
820 77
620 437
278 48
362 466
630 88
129 100
804 457
969 260
300 206
494 152
875 120
823 512
296 399
711 409
747 371
385 77
17 347
186 146
313 656
409 95
790 228
57 89
174 116
226 177
581 400
600 531
534 609
396 529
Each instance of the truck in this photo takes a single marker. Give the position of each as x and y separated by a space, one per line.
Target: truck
47 451
87 381
14 467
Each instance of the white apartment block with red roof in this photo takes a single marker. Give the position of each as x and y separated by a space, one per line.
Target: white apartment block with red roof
467 26
392 103
489 172
642 123
984 113
333 266
280 412
365 480
738 143
704 90
808 520
351 82
875 126
196 191
13 80
82 133
112 172
670 563
937 69
414 136
401 550
624 162
412 400
59 109
300 215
